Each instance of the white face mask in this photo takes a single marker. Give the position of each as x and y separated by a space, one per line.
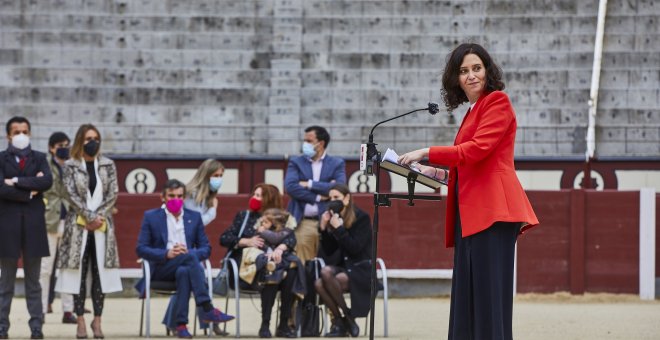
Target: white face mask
20 141
308 149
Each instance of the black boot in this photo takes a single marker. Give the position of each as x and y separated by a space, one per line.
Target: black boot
285 332
352 327
337 330
264 330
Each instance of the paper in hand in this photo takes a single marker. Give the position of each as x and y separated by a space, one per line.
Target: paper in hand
391 156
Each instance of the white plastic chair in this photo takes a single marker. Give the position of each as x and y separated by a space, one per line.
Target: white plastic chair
165 288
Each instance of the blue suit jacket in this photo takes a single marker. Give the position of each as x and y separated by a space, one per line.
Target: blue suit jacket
152 240
300 169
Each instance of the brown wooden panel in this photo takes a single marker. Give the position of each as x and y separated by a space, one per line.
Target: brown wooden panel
612 241
543 251
577 236
411 237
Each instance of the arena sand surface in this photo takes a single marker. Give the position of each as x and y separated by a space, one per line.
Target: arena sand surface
557 316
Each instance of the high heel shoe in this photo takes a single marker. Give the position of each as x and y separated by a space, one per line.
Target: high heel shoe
98 335
81 335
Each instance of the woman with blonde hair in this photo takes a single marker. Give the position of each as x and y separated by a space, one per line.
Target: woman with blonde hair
89 245
203 190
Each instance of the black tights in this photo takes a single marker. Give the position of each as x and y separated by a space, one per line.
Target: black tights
331 288
97 294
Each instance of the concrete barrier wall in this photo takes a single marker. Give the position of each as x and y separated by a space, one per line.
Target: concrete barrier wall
245 77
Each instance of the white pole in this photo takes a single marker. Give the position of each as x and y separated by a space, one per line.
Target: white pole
647 243
595 80
515 269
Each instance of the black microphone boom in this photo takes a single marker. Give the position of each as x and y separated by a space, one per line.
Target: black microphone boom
372 167
432 108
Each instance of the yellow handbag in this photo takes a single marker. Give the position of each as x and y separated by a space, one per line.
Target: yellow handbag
82 223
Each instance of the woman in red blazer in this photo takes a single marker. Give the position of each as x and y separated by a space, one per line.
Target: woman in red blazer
486 205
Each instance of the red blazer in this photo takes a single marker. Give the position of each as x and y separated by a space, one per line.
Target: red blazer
482 157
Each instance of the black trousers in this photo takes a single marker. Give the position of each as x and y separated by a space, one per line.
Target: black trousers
269 293
482 283
98 298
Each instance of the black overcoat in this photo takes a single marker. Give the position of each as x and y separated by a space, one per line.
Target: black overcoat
22 219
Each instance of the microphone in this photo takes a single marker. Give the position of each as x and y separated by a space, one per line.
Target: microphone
433 108
368 151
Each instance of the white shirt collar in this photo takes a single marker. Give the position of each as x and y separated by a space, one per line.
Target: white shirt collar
175 229
320 159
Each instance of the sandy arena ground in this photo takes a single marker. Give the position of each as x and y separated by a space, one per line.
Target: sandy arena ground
557 316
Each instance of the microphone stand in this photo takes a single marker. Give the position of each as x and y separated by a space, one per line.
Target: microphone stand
374 159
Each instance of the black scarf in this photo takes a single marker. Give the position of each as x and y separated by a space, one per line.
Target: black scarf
20 153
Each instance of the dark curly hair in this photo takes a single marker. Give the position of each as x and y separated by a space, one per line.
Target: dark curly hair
452 94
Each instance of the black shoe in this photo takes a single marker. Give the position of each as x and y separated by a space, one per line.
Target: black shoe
337 330
3 333
264 332
352 327
36 333
285 333
218 331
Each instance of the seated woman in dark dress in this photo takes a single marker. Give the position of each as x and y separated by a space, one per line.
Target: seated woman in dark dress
346 239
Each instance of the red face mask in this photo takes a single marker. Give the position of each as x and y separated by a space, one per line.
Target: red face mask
254 204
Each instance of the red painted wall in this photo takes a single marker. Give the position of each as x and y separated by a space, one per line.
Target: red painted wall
587 240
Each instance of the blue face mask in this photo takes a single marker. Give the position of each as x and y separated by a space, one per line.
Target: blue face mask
62 153
308 150
215 183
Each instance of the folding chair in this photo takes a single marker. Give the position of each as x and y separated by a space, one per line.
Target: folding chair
233 267
164 288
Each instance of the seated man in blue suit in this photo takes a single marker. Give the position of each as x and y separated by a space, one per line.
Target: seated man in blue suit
308 179
172 239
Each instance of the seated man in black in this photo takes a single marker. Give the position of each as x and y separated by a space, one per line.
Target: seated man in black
172 239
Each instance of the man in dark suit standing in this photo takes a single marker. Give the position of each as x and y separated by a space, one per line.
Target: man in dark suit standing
172 239
308 179
25 175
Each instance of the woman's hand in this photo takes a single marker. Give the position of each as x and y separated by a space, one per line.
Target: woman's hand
428 170
336 221
276 255
325 218
254 241
95 224
413 156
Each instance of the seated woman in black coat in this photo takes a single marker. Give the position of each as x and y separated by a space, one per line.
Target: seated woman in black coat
264 197
346 238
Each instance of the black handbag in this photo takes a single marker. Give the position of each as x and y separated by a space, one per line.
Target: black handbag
221 281
310 325
310 321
